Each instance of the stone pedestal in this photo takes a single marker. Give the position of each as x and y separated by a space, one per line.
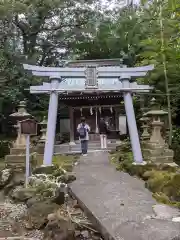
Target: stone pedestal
17 161
156 149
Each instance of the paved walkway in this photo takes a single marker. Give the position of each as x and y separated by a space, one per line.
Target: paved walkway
119 204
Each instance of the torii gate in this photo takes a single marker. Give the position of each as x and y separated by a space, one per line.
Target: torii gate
90 79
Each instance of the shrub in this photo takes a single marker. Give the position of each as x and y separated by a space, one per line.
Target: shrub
5 147
176 145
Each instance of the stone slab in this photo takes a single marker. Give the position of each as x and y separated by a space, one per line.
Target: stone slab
19 151
15 159
92 146
164 211
120 205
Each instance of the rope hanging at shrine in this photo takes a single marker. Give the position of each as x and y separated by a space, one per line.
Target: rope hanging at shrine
99 108
81 111
91 111
111 109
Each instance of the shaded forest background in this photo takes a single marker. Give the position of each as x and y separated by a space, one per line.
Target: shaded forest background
44 33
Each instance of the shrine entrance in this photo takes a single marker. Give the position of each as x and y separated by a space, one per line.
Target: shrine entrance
93 107
88 80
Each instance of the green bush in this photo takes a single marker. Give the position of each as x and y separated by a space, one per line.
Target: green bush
5 147
176 145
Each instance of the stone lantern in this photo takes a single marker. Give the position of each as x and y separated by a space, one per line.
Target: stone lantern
17 156
42 140
145 134
19 116
156 149
43 130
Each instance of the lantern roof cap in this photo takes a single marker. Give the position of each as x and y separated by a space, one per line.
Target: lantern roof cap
144 118
22 112
155 113
29 120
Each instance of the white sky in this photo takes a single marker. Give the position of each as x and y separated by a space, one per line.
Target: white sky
117 3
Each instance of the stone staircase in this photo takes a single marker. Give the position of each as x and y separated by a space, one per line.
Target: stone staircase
92 147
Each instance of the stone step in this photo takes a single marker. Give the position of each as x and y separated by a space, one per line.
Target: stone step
16 158
91 145
77 149
19 151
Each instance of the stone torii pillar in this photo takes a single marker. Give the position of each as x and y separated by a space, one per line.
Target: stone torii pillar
51 124
50 88
131 120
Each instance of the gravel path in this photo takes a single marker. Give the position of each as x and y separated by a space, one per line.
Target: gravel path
12 222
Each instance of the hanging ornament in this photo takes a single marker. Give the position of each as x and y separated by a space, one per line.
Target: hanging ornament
111 109
81 111
91 111
100 110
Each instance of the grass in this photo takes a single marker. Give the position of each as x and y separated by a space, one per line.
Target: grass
64 161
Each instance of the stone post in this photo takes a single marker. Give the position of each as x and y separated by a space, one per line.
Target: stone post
71 118
134 137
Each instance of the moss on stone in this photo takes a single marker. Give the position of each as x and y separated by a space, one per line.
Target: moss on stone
60 160
162 180
63 160
172 189
58 172
67 166
158 180
67 178
162 198
45 169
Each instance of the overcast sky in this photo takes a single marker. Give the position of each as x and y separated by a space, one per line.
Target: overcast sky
115 3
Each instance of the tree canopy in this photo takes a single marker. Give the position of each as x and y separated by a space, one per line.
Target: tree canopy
44 32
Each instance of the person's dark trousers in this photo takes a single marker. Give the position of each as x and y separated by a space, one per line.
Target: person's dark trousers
84 146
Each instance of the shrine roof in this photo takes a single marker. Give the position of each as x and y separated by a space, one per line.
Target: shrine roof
96 62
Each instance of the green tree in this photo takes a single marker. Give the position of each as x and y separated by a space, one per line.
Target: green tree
40 32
